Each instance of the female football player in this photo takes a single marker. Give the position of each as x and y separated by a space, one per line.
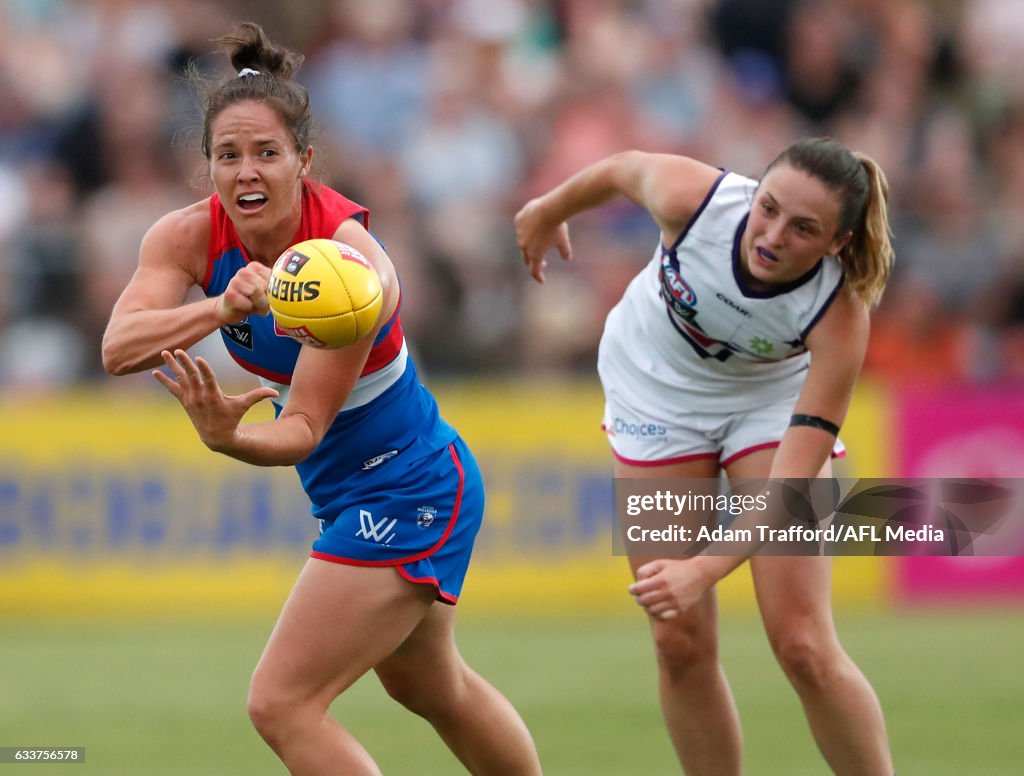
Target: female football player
739 343
397 493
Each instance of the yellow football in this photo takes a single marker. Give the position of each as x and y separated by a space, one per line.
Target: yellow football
324 293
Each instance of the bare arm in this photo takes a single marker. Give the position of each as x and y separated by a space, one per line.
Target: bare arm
837 344
321 383
669 187
150 316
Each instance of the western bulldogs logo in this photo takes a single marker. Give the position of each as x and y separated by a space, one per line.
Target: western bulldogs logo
292 261
425 516
676 291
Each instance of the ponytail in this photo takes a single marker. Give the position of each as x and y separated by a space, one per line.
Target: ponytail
868 257
863 193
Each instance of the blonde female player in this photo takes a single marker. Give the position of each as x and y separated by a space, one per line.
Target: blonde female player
397 493
737 348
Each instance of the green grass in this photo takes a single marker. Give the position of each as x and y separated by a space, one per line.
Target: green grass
170 698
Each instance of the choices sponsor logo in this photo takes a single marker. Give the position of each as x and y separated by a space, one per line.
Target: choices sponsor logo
651 431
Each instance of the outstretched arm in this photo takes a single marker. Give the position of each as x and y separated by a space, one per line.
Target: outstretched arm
669 187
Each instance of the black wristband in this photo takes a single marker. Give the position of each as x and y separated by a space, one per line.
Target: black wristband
815 422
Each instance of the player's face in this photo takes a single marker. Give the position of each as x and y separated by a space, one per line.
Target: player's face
792 224
256 168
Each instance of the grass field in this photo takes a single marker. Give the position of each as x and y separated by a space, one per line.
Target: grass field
169 698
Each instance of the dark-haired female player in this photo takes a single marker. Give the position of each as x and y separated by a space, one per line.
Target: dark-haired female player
397 492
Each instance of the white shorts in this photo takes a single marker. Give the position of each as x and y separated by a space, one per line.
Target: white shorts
643 440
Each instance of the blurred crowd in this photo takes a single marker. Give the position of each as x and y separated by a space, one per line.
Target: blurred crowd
445 116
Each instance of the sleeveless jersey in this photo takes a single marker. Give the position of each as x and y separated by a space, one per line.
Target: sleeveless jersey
690 333
388 412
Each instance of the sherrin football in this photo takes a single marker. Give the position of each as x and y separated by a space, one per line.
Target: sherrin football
324 293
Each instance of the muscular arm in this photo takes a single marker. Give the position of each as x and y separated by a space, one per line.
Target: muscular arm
150 316
669 187
321 383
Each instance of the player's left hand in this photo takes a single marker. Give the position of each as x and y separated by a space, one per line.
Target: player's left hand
667 588
214 414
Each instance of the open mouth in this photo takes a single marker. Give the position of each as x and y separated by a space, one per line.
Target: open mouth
767 255
250 202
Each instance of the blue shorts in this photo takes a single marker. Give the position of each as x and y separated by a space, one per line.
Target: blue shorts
419 515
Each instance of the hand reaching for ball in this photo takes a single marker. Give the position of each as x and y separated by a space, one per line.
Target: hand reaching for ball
246 294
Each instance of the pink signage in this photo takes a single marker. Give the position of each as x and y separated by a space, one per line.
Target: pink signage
961 433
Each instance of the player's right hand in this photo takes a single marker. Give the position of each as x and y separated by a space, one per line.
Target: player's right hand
246 294
536 236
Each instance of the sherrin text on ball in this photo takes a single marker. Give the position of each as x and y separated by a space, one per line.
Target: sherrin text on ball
324 293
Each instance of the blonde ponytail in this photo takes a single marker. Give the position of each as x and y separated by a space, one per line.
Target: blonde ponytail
863 193
868 257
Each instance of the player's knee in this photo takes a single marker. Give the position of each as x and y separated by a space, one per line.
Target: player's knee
804 656
409 688
682 651
422 692
270 710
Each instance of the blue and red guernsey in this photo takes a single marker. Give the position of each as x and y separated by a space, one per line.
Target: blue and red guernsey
323 211
388 411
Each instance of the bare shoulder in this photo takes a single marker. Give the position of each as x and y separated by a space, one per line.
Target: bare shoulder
180 237
674 188
844 327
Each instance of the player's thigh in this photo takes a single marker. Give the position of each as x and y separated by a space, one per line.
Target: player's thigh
691 469
793 592
338 622
693 634
427 664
